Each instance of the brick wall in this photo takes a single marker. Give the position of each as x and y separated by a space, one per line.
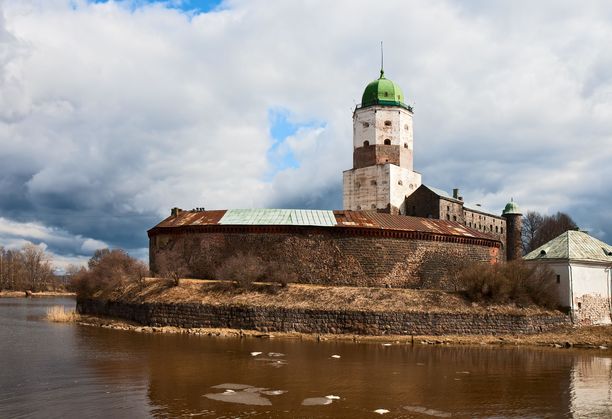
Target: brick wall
376 154
275 319
327 255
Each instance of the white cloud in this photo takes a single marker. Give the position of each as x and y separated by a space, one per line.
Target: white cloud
111 114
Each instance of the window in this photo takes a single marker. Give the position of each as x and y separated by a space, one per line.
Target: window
558 279
358 207
387 123
366 125
373 206
448 217
447 208
454 218
579 306
406 127
491 227
372 182
502 230
366 143
496 229
387 141
399 182
405 145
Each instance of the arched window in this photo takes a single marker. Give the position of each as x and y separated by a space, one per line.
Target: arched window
405 145
387 123
366 143
387 141
366 124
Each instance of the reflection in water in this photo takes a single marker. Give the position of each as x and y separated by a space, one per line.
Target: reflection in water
591 387
58 370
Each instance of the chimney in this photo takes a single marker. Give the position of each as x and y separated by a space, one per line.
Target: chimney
175 211
456 193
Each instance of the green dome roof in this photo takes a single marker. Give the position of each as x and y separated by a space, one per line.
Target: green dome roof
383 92
511 208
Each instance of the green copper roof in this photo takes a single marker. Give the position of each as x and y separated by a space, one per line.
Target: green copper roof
511 208
575 245
279 216
383 91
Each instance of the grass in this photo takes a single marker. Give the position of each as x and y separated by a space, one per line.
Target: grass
60 314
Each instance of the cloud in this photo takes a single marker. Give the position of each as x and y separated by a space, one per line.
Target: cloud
111 112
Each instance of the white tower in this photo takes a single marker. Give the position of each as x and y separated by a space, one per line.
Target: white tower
382 175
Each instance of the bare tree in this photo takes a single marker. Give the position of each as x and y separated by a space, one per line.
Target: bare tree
539 229
171 265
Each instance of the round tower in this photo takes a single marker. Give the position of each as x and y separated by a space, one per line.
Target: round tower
382 174
514 228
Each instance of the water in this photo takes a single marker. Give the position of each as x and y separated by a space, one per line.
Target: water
67 371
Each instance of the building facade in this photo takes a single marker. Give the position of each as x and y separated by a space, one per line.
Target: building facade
582 266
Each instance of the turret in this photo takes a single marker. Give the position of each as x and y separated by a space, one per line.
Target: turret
514 229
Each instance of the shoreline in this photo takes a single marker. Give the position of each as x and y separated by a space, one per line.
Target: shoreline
592 337
28 294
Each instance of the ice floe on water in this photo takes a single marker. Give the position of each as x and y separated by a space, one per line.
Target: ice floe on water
425 411
386 344
256 353
332 397
336 356
381 411
316 401
243 394
275 354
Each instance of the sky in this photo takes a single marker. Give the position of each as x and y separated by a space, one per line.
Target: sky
113 112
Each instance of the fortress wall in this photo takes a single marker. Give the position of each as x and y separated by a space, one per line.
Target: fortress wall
278 319
326 255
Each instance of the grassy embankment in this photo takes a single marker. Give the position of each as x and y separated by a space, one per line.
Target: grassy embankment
344 298
21 294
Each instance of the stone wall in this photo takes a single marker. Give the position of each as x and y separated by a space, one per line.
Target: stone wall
274 319
326 256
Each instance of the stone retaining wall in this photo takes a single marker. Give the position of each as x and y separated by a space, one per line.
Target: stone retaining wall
275 319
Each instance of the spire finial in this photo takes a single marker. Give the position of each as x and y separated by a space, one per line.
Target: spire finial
382 61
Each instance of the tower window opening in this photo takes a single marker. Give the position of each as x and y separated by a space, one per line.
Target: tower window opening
448 217
399 182
373 182
496 229
405 145
454 218
366 124
373 206
406 127
387 141
366 143
558 279
387 123
502 230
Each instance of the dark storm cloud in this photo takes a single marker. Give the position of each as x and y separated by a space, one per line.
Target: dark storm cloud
112 113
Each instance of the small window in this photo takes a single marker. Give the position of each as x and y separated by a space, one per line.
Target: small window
447 208
558 279
373 206
406 127
358 207
502 230
366 124
372 182
387 141
448 217
491 227
496 229
579 306
454 218
387 123
399 182
366 143
405 145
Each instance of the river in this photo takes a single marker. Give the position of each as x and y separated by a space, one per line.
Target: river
52 370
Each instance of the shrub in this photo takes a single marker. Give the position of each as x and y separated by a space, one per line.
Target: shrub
170 265
242 269
512 282
108 270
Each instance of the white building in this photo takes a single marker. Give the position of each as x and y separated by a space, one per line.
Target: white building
582 266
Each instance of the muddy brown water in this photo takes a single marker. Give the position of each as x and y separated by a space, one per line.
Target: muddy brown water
53 370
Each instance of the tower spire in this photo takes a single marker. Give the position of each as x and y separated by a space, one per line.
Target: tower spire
382 61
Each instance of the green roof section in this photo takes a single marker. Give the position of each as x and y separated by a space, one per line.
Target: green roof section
383 91
511 208
300 217
573 245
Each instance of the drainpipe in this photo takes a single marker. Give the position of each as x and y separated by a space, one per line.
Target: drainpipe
571 292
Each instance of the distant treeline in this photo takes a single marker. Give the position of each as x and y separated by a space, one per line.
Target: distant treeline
28 268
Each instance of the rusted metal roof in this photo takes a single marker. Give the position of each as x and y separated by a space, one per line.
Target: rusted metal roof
193 218
407 223
320 218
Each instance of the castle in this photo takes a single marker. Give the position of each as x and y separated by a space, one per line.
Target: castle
394 231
